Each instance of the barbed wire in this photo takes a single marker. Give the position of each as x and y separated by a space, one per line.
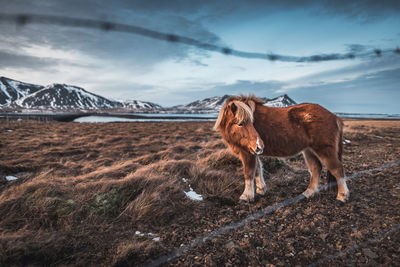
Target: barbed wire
24 19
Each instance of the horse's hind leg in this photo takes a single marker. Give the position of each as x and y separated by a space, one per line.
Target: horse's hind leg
335 166
259 177
314 167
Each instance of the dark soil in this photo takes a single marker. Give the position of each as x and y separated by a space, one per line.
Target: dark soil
85 190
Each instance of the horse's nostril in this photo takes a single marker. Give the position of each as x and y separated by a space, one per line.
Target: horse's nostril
258 150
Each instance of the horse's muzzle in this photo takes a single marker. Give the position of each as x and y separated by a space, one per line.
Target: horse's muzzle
257 151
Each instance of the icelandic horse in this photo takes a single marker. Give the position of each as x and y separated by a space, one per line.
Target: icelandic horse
250 129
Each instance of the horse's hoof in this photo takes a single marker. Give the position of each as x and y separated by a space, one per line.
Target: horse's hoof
248 200
343 198
247 197
340 203
309 193
261 192
242 201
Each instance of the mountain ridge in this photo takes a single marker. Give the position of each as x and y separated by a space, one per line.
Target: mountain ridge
12 90
214 104
62 97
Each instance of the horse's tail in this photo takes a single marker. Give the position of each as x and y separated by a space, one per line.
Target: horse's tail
331 178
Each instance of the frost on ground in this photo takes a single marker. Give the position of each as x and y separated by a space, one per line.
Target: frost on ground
191 193
11 178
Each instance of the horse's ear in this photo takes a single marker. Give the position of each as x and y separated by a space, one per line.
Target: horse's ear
233 108
252 105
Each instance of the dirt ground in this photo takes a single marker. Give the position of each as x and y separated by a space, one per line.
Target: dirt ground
113 194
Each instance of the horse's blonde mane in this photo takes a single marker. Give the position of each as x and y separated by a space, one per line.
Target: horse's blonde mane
243 113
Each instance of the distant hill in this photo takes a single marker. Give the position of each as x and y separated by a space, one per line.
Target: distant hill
140 105
280 101
62 97
214 104
65 97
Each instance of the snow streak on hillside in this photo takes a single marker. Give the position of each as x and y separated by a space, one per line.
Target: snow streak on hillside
11 90
62 96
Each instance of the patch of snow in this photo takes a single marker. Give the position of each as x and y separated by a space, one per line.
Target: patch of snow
277 103
346 141
139 233
16 85
191 193
10 131
4 89
11 178
157 239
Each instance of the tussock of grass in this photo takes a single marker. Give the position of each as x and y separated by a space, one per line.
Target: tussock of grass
223 159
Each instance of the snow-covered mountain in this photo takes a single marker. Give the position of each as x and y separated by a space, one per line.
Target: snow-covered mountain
62 97
137 105
65 97
12 90
207 105
214 104
280 101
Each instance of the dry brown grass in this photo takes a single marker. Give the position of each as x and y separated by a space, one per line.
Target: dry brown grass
77 180
85 189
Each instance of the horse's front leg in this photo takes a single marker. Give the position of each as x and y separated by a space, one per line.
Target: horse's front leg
259 177
249 167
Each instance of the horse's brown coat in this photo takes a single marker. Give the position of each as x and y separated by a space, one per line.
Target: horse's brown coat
307 128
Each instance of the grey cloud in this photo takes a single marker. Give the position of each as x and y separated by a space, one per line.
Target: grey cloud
179 17
18 61
126 48
263 89
11 60
370 93
367 66
365 10
362 11
356 48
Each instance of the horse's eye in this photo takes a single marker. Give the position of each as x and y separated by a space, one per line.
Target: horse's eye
240 124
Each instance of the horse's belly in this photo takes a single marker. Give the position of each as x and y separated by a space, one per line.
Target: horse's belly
283 149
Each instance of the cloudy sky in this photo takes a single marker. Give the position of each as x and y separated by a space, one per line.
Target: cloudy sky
126 66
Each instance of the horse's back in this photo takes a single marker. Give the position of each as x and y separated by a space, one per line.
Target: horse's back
296 127
300 114
308 113
321 126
